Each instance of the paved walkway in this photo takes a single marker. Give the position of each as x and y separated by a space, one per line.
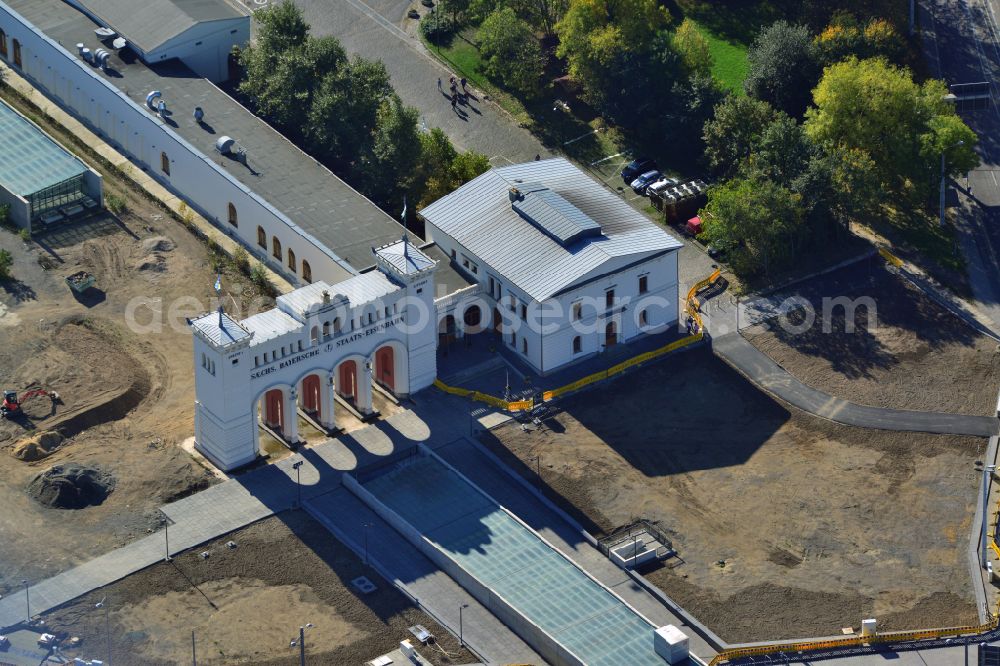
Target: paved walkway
768 375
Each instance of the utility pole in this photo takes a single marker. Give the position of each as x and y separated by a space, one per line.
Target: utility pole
194 655
302 646
298 480
27 600
461 636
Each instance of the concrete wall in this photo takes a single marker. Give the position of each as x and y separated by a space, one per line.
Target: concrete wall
131 128
20 211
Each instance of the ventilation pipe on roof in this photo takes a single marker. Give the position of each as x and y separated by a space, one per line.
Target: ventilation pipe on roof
161 108
79 49
199 114
152 97
514 194
87 55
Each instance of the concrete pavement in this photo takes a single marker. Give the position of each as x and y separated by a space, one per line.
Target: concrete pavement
759 368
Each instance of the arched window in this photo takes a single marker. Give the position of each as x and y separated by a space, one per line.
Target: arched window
276 248
262 237
314 335
577 345
3 43
307 273
164 160
336 325
232 215
291 260
326 329
643 319
17 53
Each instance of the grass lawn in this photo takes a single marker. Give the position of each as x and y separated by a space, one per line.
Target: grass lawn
729 60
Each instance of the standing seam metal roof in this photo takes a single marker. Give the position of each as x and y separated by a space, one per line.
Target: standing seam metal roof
480 217
31 160
150 25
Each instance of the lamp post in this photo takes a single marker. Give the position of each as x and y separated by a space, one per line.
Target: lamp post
297 466
943 153
302 642
103 603
461 637
166 538
366 526
27 600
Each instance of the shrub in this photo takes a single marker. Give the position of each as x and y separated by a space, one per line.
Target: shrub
5 262
25 235
258 276
437 29
115 204
241 260
5 215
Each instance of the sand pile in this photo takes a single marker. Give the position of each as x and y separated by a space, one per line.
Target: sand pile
71 486
38 446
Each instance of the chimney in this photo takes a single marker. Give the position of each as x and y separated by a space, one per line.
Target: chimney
326 297
514 194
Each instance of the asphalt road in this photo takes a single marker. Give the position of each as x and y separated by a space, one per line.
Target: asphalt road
962 45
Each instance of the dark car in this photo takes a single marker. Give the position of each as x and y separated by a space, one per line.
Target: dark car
636 167
640 184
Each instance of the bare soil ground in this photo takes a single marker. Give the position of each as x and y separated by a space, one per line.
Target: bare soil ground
246 604
126 393
907 353
786 525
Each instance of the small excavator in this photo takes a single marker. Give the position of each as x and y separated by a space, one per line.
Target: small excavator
11 406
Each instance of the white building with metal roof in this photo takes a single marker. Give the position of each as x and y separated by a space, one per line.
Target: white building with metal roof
567 268
323 349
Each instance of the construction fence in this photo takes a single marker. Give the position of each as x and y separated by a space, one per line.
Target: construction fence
692 308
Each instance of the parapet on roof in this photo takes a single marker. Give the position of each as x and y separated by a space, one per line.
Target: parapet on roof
220 329
351 293
548 211
403 257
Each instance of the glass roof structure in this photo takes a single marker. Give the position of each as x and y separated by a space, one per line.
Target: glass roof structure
31 160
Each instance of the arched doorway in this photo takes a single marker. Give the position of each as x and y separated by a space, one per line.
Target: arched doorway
347 379
385 370
446 331
273 409
473 320
610 334
311 396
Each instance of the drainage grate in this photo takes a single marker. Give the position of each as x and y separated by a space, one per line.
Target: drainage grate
363 585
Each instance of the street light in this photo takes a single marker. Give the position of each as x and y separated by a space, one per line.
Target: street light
166 537
27 599
298 479
302 642
107 624
366 526
943 152
461 637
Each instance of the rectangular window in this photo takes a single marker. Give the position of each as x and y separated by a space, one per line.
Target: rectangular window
524 345
643 284
256 361
577 311
513 339
524 312
609 298
492 285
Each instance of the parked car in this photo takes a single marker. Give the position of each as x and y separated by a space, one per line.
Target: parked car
640 184
660 185
637 166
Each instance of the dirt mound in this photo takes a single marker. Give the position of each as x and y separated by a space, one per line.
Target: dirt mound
151 263
38 446
71 486
158 244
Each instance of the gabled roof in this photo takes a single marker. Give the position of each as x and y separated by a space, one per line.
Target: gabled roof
551 213
149 24
480 216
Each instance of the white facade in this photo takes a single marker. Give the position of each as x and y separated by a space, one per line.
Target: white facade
318 351
152 144
545 338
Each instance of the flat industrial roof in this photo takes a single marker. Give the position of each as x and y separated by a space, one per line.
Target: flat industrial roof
31 160
312 197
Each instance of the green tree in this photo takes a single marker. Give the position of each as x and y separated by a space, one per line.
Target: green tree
846 36
875 107
783 67
735 132
604 42
693 102
782 152
511 54
442 169
389 165
756 221
6 260
693 47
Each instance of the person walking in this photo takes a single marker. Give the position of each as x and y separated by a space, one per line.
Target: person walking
463 84
454 101
439 83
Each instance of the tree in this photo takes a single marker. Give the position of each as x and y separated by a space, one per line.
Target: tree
875 107
510 52
783 67
735 132
783 151
693 102
755 221
442 169
605 42
389 165
693 47
6 260
846 37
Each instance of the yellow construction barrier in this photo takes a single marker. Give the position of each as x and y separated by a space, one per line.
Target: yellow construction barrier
888 637
528 405
890 257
